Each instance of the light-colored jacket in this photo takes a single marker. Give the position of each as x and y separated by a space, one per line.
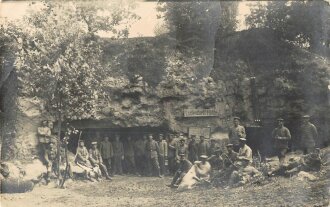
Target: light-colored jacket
163 148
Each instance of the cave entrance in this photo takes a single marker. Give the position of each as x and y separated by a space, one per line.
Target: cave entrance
90 135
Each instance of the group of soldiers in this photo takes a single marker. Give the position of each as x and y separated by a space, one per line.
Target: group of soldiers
176 154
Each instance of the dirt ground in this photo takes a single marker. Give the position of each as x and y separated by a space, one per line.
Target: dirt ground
146 191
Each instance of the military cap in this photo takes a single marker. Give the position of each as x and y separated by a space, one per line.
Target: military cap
280 119
229 145
236 117
182 140
81 140
182 154
93 143
242 139
204 156
306 116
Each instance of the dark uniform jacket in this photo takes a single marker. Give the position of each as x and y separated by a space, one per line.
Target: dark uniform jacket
281 136
152 149
308 135
106 150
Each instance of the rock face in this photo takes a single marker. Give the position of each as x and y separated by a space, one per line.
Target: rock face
274 78
255 76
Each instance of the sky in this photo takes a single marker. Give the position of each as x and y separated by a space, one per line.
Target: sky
13 10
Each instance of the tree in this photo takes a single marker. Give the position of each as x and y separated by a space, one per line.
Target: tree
303 23
59 55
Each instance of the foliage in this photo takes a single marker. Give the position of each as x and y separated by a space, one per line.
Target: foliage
304 23
59 53
195 23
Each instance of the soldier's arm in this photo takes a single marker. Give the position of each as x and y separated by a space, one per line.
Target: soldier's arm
111 150
288 134
165 146
242 132
79 156
91 158
315 133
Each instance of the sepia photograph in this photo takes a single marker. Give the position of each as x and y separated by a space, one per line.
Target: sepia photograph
174 103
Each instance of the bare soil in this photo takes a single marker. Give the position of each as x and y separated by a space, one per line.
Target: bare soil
147 191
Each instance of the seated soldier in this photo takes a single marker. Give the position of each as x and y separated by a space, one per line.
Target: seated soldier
50 157
309 162
96 160
216 159
243 174
231 157
244 150
184 167
203 169
82 160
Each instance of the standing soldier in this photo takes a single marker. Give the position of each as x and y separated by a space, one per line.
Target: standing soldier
50 160
152 151
106 152
235 133
181 149
171 154
309 135
213 147
118 155
129 156
139 152
96 160
162 153
281 135
192 149
203 147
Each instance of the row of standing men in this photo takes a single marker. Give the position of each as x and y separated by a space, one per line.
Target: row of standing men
149 156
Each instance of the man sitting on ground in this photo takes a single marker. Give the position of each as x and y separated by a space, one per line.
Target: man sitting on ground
184 167
96 160
82 160
243 174
244 150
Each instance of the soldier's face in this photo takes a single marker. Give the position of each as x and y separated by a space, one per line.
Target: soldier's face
229 149
106 139
94 146
81 144
117 138
305 121
280 123
150 137
236 122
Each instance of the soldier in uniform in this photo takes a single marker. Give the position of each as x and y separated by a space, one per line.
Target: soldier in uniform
244 150
181 149
281 135
162 153
309 135
44 134
106 151
235 133
50 157
243 174
213 147
203 147
82 160
171 154
96 159
192 149
118 155
129 156
184 167
152 151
